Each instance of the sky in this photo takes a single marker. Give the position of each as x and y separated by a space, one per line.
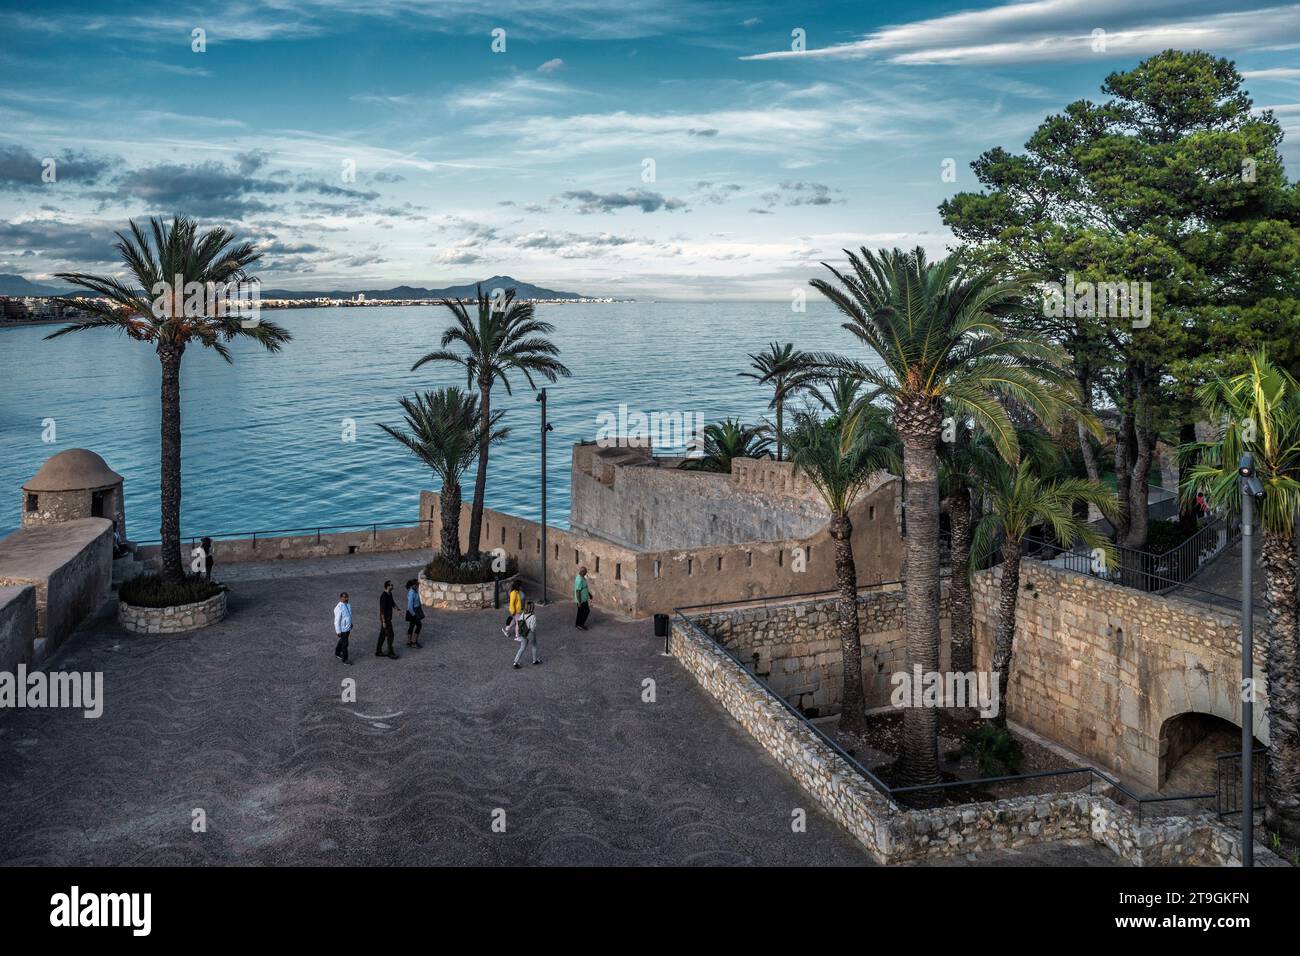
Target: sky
663 150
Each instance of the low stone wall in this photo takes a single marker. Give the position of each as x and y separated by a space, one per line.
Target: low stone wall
70 566
461 597
17 625
852 802
795 646
172 620
247 550
896 835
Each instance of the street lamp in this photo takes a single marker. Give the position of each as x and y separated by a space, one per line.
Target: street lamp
546 427
1252 490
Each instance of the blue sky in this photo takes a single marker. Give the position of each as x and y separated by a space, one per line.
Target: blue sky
533 161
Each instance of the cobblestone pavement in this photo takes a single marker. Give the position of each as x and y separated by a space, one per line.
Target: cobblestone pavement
245 723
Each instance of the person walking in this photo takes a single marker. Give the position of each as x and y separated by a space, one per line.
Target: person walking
342 627
414 614
386 605
528 634
206 545
582 595
516 606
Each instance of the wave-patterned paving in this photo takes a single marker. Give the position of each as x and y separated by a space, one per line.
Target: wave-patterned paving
246 722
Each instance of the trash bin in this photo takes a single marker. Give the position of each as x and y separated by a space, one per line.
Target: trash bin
661 625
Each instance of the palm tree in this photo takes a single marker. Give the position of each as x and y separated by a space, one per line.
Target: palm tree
444 433
938 331
726 440
967 464
155 261
786 370
839 458
1262 411
840 395
1020 499
505 336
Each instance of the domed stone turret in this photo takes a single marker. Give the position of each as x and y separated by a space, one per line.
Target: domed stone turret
73 484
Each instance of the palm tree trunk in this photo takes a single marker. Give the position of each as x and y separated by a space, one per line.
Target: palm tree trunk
920 758
1282 781
1006 632
780 425
449 534
173 569
959 596
480 475
853 700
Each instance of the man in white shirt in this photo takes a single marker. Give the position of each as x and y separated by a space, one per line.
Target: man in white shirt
342 627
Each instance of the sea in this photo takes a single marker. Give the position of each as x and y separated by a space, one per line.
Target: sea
290 440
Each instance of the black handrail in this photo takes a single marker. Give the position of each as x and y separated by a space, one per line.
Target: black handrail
314 529
885 788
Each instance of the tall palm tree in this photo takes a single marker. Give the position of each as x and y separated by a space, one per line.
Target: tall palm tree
444 433
504 336
939 333
1261 408
726 440
787 370
170 322
1019 500
839 457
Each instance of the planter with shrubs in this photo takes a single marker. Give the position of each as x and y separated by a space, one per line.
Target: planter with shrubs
464 585
150 605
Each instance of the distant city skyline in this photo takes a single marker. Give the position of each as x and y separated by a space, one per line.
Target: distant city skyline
672 150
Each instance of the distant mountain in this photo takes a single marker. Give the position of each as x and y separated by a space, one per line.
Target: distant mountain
523 290
16 285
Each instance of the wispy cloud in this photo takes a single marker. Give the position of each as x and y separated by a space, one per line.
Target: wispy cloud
1046 30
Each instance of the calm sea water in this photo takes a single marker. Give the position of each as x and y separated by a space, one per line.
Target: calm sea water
263 446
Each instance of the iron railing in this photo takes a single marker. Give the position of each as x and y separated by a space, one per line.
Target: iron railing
1228 781
1094 775
372 526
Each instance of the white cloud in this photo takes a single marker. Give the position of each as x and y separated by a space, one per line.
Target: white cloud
1052 30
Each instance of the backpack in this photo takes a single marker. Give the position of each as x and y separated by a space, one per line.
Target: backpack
523 627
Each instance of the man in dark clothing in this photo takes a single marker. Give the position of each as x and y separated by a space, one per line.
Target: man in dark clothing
386 605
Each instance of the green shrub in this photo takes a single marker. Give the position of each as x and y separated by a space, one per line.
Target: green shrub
150 590
996 752
467 572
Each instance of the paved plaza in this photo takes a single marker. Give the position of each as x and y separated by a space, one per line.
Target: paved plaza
245 722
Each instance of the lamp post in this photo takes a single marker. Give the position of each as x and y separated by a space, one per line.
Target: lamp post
546 427
1251 491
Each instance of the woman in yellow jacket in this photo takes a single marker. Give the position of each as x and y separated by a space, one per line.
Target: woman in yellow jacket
516 610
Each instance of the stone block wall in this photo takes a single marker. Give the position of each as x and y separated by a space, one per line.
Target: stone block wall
892 834
1100 668
70 567
629 498
17 625
462 597
795 646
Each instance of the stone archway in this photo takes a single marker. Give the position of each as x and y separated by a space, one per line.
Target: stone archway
1190 743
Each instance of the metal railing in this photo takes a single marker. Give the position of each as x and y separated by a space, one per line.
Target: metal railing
373 526
1094 775
1141 570
1228 781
